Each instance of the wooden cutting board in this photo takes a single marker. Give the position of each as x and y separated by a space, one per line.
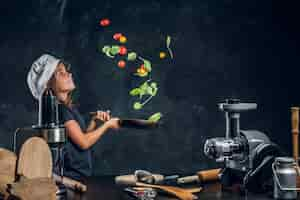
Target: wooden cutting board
8 162
34 189
35 160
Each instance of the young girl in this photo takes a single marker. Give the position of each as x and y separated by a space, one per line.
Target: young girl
48 72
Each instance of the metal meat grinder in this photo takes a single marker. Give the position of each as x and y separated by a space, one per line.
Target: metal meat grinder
51 130
247 154
54 133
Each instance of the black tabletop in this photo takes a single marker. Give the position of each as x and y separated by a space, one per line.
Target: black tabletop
104 188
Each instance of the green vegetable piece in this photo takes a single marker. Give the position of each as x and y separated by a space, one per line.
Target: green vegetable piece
131 56
105 49
155 117
153 85
114 50
147 65
109 55
168 46
168 41
154 91
150 91
144 86
135 91
137 105
142 93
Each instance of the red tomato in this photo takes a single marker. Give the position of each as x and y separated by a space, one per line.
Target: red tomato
122 50
104 22
121 63
117 36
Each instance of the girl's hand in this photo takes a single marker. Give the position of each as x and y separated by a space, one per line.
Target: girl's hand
113 123
102 116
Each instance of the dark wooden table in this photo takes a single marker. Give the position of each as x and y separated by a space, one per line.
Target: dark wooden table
103 188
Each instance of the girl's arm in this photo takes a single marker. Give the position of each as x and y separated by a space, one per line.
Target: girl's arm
92 125
86 140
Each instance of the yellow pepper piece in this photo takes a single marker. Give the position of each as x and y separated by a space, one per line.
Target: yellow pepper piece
162 55
123 39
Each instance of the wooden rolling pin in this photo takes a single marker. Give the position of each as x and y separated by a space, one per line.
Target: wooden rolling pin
201 177
295 135
295 132
131 180
70 183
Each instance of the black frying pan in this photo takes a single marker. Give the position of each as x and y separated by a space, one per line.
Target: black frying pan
137 123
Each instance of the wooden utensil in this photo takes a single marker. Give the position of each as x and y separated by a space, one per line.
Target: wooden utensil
70 183
35 160
295 132
178 192
191 190
295 135
130 179
201 177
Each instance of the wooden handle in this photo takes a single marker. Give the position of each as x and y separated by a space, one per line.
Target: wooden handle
295 132
70 183
131 180
208 175
188 179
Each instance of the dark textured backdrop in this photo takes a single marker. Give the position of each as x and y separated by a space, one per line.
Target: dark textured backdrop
222 48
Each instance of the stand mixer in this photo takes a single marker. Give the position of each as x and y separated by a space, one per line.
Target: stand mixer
247 154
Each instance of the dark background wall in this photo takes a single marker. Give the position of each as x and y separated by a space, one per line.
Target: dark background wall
230 48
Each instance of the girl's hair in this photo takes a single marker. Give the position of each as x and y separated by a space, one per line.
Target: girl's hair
69 101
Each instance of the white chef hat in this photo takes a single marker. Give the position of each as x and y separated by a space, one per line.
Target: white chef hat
40 73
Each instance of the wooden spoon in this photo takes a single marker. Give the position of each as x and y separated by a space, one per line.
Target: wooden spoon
178 192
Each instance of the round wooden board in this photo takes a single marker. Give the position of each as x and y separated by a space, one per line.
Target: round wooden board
35 159
8 162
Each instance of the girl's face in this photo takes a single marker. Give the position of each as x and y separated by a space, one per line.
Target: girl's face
63 81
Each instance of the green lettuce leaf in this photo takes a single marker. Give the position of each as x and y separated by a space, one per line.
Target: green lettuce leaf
131 56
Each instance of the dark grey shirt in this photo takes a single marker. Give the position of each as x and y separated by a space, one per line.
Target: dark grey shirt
77 162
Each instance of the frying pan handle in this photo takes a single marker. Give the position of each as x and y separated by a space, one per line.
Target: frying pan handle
120 122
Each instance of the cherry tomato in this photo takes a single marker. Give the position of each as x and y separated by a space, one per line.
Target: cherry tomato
122 50
121 63
117 36
123 39
104 22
